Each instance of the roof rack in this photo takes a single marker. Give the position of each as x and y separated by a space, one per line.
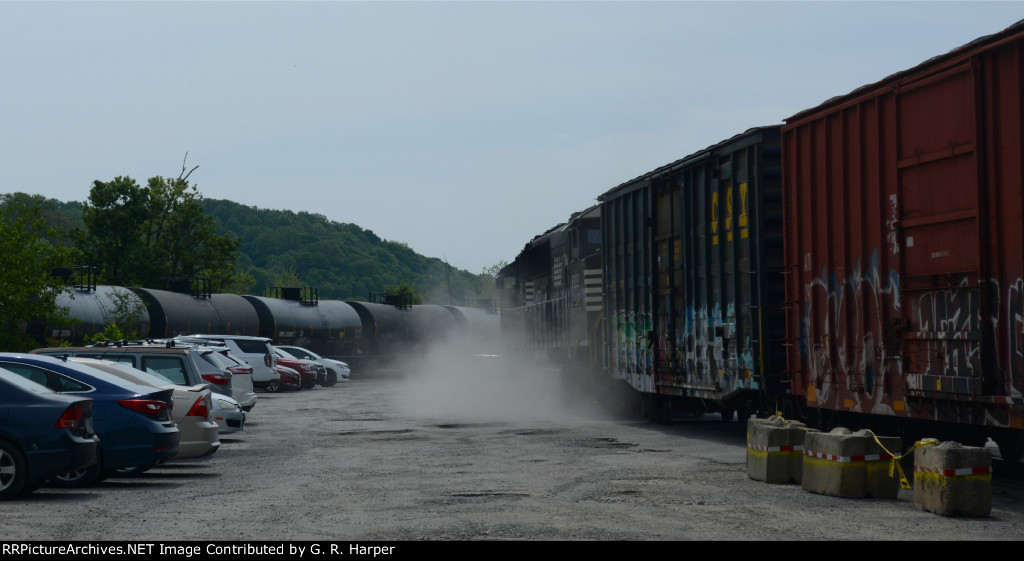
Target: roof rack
119 343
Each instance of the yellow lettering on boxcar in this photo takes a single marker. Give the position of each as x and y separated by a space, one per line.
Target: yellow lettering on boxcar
714 218
728 214
744 220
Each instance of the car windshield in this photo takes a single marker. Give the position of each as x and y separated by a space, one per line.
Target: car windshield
285 354
302 353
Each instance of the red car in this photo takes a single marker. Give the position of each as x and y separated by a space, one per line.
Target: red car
290 380
309 370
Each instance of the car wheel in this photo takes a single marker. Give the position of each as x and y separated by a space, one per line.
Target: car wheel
13 470
332 378
80 477
32 486
130 471
273 387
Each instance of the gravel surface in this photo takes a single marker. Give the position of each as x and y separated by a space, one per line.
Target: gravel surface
432 457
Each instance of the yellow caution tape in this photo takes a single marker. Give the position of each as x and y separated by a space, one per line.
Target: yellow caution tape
894 463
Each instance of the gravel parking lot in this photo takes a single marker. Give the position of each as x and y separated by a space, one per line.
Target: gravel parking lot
473 457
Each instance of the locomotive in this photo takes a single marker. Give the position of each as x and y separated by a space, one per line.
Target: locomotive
860 264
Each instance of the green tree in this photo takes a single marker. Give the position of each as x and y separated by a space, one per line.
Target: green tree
183 238
114 217
63 217
28 288
139 236
284 276
402 293
128 312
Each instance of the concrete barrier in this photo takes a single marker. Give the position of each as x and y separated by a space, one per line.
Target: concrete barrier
775 449
952 480
848 464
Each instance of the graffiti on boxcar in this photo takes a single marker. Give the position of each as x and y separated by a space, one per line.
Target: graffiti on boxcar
705 358
948 321
892 225
838 344
712 354
633 354
1015 315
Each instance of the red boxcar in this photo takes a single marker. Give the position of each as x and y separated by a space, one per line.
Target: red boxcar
904 234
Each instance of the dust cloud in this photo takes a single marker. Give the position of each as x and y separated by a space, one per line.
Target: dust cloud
449 383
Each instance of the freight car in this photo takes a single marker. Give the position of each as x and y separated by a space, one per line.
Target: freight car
371 337
551 298
688 256
904 260
861 264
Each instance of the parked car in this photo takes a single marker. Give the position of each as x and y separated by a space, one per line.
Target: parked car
228 414
336 370
288 379
185 365
239 369
310 371
135 428
42 433
257 352
192 411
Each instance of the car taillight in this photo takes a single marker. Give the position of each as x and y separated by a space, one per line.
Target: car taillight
73 418
219 379
199 408
148 406
267 360
240 370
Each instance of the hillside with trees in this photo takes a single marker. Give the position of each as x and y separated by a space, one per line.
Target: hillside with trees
31 251
343 261
139 235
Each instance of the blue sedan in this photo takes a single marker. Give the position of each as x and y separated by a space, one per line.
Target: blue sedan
42 433
133 421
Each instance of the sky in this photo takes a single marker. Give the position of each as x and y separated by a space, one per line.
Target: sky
462 129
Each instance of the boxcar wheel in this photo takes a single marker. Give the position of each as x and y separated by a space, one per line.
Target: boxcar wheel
13 470
1011 446
743 414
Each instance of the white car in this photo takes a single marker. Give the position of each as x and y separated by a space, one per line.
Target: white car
254 351
337 371
228 413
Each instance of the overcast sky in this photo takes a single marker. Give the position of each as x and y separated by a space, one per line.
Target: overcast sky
460 128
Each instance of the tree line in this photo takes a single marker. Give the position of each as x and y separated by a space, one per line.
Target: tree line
143 235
